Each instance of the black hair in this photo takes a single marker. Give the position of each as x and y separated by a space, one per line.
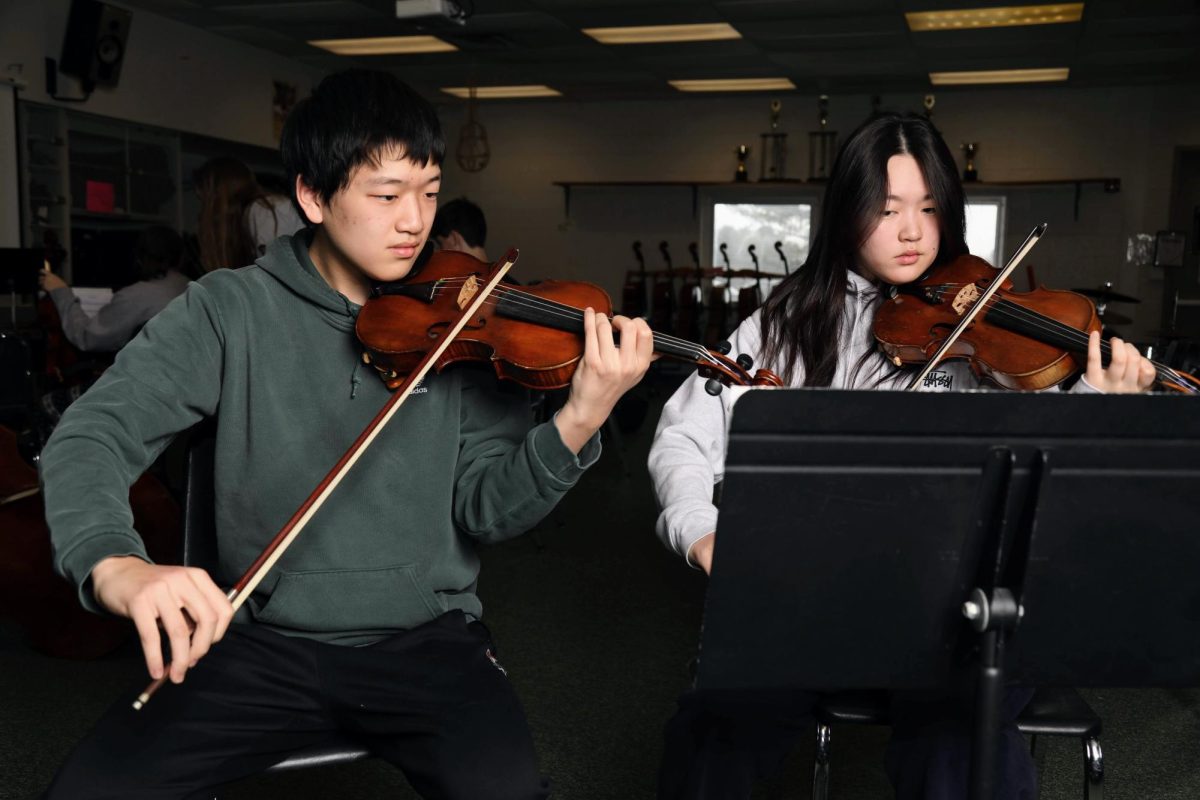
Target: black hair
351 118
463 216
158 249
802 317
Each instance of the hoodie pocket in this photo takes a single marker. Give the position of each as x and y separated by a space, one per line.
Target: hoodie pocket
335 601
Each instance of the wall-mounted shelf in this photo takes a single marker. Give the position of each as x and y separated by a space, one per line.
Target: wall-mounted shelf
693 185
1110 186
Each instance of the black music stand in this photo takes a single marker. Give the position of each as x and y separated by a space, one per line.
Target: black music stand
859 529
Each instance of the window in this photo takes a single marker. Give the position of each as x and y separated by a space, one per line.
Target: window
737 225
985 228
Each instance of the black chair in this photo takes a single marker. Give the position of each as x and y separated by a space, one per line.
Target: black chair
200 550
1051 712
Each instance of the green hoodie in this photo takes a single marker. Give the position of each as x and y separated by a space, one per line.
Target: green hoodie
270 351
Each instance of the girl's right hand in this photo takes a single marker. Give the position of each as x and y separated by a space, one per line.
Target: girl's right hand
701 552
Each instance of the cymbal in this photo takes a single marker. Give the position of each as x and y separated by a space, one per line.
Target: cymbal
1107 295
1111 318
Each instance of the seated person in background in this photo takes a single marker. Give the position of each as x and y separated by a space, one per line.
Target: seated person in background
460 225
238 217
158 255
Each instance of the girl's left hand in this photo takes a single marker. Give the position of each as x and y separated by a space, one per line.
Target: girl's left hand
1127 372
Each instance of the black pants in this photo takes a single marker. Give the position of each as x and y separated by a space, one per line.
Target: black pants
431 700
716 747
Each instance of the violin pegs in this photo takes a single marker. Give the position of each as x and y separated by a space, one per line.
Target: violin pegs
723 348
713 386
745 362
366 357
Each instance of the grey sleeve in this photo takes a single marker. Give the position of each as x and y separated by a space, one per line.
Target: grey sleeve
509 475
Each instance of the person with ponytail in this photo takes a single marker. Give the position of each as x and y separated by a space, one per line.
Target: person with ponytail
893 209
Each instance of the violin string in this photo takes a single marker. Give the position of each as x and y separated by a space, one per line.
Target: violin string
569 313
1009 309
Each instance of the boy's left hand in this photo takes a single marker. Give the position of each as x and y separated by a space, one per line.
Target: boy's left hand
605 372
1126 373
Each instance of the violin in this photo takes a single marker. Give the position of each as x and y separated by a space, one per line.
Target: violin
1021 340
532 335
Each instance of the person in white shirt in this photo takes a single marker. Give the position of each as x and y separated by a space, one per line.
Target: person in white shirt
238 217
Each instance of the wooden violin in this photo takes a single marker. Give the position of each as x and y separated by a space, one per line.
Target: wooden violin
532 334
1020 340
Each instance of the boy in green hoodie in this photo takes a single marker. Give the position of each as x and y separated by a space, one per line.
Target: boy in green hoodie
368 625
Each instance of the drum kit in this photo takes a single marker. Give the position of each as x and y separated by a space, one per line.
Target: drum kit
1102 297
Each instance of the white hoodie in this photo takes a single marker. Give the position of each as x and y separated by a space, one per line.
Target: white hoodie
687 458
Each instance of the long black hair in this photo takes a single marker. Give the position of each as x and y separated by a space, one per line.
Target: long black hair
802 317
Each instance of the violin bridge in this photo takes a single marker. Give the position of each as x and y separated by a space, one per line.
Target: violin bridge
965 298
469 289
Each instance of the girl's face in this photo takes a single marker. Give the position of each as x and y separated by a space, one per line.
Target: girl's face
905 240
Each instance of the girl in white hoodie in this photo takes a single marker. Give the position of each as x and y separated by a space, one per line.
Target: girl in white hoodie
893 208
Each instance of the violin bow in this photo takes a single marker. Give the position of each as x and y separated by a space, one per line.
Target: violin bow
979 305
470 303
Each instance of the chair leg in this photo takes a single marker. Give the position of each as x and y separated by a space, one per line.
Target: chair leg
1093 769
821 766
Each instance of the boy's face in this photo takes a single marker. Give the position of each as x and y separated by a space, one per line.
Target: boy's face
373 230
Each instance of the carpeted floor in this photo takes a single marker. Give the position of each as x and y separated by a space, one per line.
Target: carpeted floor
596 624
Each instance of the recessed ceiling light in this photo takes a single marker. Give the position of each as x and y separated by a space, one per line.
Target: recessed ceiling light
384 45
1000 17
658 34
734 85
501 92
999 76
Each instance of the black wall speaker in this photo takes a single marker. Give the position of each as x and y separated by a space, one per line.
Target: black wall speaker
94 45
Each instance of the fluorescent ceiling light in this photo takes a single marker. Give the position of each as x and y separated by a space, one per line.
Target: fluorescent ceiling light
384 45
1000 17
999 76
501 92
658 34
734 85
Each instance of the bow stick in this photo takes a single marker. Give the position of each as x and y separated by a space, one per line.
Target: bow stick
275 549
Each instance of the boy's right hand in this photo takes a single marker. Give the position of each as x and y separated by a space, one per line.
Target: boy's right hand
175 597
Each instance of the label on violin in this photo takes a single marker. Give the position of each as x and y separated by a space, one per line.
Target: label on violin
938 379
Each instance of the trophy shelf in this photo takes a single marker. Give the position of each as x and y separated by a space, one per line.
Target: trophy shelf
694 186
1110 186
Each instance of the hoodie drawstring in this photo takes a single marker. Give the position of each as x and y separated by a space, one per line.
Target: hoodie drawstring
354 379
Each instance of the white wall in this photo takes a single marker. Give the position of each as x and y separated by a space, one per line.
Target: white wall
174 76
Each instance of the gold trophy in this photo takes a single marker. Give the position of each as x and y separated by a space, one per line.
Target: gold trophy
742 153
970 149
774 148
822 144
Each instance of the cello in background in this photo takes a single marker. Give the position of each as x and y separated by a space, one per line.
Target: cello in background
662 297
43 603
750 297
633 293
782 257
717 322
690 307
